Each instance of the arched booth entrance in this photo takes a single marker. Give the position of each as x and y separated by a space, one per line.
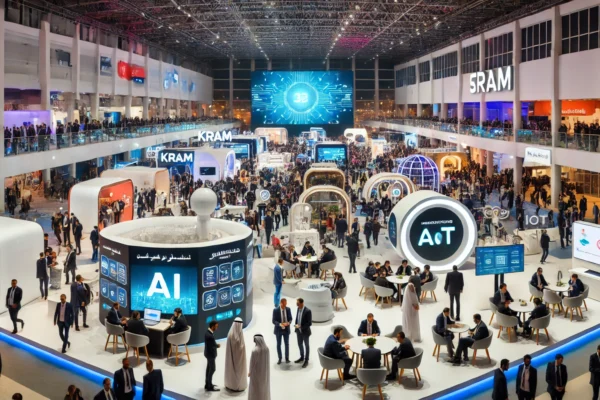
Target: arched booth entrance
331 198
396 186
324 174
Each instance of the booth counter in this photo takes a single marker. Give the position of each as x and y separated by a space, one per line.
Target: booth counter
358 135
143 177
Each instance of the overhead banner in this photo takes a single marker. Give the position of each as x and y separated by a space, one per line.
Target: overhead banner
492 80
124 70
106 66
536 157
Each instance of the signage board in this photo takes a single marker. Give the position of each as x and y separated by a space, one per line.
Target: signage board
586 242
168 157
537 156
210 136
492 80
493 260
152 152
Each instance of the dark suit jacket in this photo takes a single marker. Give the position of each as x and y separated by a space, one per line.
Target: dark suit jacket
179 325
101 396
533 282
454 282
277 320
119 382
370 272
404 350
69 315
114 317
595 369
551 377
532 378
497 297
482 331
17 296
210 345
334 349
153 385
424 275
137 327
363 328
404 271
41 269
77 294
71 261
371 357
500 391
306 321
538 312
439 324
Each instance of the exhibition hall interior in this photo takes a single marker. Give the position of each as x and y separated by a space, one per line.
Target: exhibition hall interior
292 199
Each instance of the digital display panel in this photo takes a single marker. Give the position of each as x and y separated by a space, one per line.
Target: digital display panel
114 281
586 242
331 153
208 171
241 150
434 233
499 259
302 97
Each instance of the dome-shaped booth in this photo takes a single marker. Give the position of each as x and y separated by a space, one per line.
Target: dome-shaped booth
421 170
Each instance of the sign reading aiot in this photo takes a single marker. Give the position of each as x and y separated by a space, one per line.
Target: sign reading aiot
537 156
493 80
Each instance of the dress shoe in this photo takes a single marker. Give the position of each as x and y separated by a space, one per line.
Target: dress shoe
86 326
287 361
390 377
298 361
278 362
349 376
69 344
305 364
77 329
64 351
213 389
22 325
14 331
457 318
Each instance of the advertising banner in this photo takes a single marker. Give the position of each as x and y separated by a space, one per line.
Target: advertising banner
124 70
493 260
586 242
114 277
106 68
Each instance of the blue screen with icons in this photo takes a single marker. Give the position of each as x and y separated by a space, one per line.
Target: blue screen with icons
491 260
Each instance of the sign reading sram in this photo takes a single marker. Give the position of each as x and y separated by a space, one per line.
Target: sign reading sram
209 136
493 80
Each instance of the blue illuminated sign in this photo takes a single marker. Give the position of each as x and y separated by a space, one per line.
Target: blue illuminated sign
392 230
499 259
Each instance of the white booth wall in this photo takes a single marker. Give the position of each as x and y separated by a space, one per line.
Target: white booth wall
222 159
143 177
353 134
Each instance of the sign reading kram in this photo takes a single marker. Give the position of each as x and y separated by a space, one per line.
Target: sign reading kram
432 229
210 136
492 80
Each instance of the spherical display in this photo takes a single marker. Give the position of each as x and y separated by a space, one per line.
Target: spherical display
203 201
421 170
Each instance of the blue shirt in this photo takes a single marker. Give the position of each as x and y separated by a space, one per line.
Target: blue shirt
277 275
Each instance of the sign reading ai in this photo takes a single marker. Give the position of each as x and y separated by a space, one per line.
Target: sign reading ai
209 136
493 80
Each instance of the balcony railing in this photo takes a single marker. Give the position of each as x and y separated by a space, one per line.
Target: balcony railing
579 141
25 145
542 138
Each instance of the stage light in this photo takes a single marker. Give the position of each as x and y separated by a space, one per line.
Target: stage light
346 22
339 35
179 7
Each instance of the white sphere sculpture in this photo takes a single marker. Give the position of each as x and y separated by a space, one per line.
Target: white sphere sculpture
203 202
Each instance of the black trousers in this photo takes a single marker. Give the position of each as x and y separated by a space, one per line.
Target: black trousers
285 219
303 345
523 395
347 366
210 370
63 331
375 238
455 297
76 315
67 236
464 344
72 275
44 286
340 239
368 239
14 313
277 222
556 395
78 244
544 254
286 341
57 234
352 262
595 388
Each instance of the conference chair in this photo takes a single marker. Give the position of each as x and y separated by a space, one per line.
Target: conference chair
116 331
179 339
367 285
483 344
586 293
137 342
494 309
508 322
288 267
535 292
411 363
540 323
371 377
551 297
330 364
574 305
327 266
384 294
341 295
429 287
395 332
346 335
439 341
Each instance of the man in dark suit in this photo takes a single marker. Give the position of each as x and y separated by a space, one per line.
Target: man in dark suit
282 319
210 352
369 327
371 271
328 255
556 377
502 295
538 281
500 391
114 317
575 286
135 325
538 312
107 393
124 382
454 286
78 297
504 308
42 274
427 275
545 245
442 323
404 350
341 227
14 295
153 383
595 372
334 349
63 317
382 281
526 380
178 323
415 279
70 264
78 233
404 269
66 228
94 238
371 357
478 332
302 328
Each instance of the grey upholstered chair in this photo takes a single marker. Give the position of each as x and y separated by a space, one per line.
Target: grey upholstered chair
586 293
179 339
371 377
115 331
507 321
330 364
345 333
439 341
411 363
483 344
327 266
429 287
341 295
288 267
573 304
384 294
367 285
551 297
395 332
137 342
540 323
494 309
535 292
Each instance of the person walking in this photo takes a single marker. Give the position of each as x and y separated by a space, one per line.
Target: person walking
63 317
526 380
352 242
596 212
302 327
94 238
341 227
545 245
376 229
78 233
79 299
595 373
556 378
210 352
70 264
42 275
368 230
500 391
278 282
259 376
153 383
14 295
454 286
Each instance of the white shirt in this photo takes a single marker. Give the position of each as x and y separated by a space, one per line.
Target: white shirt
11 298
525 379
127 377
108 395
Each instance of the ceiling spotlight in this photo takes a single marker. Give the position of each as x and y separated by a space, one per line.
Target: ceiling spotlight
343 29
345 22
170 27
217 35
401 42
390 48
435 18
375 9
189 15
143 15
391 43
351 16
339 35
179 7
224 41
160 26
176 41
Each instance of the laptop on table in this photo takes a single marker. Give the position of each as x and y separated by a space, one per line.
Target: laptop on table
151 316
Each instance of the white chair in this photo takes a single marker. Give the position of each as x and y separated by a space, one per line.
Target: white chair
329 364
411 363
439 341
535 292
288 267
341 295
116 332
508 322
384 294
345 333
429 287
493 308
371 376
327 266
586 293
573 304
179 339
367 285
483 344
540 323
137 342
551 297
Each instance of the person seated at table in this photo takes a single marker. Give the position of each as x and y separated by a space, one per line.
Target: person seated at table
334 349
382 281
177 323
479 332
538 312
371 357
426 276
575 286
502 295
371 271
404 350
369 327
504 308
387 266
442 323
327 256
404 269
307 250
114 317
338 284
136 325
538 281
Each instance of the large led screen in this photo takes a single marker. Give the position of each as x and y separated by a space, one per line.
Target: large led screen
302 97
492 260
586 242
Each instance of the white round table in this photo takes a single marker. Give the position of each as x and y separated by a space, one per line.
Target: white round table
559 289
309 261
384 344
517 307
397 280
458 328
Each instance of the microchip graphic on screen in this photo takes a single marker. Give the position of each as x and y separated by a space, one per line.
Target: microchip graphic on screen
302 97
224 296
225 273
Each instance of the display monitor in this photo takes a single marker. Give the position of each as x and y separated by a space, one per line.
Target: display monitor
241 150
337 153
208 170
494 260
586 242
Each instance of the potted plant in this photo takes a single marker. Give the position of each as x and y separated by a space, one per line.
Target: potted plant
370 341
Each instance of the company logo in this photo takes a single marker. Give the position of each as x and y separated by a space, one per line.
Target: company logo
224 253
438 238
265 195
300 97
159 286
495 211
493 80
176 157
436 234
209 136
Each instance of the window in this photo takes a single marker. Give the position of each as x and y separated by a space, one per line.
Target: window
424 71
445 65
470 59
406 76
499 51
580 31
536 42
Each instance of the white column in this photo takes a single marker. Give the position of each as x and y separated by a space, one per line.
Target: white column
555 101
200 109
459 102
128 99
2 99
72 113
46 175
231 86
115 75
161 107
73 170
130 82
145 107
177 107
44 62
269 65
189 108
489 162
147 80
160 100
95 97
518 172
555 186
253 65
354 83
95 104
516 85
444 110
419 109
376 86
76 63
327 65
482 105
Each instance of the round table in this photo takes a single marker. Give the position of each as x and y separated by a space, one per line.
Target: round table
458 328
398 280
527 308
559 289
304 259
384 344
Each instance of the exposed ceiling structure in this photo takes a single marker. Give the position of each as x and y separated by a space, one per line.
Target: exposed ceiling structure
213 29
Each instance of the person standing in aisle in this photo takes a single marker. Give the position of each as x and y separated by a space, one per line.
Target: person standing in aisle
42 275
556 377
282 317
526 380
94 238
352 242
454 287
500 391
545 245
268 226
70 264
124 382
582 208
210 352
595 372
78 233
368 230
153 383
376 229
341 227
303 332
63 317
13 303
278 282
66 228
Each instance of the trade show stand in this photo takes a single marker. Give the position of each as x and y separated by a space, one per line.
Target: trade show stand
531 239
298 238
143 178
590 278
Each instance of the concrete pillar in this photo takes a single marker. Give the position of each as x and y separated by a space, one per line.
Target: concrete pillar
145 107
160 100
405 110
161 107
76 64
376 86
46 175
354 83
115 75
44 62
555 186
72 113
178 108
73 170
189 109
327 65
130 82
419 110
518 173
516 90
482 105
128 99
489 162
253 65
231 87
481 156
269 65
95 104
459 102
127 156
444 111
555 101
200 109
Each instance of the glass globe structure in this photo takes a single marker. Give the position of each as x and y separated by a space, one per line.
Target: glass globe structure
421 170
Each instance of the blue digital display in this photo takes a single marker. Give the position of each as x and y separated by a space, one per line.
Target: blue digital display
336 154
164 288
241 150
499 259
302 97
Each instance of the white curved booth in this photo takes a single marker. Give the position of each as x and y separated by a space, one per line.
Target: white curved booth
324 174
329 189
222 159
373 182
143 177
275 135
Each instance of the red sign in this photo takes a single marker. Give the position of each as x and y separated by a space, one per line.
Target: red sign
124 70
137 71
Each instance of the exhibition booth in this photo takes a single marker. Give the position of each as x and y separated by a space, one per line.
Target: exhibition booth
421 170
88 198
256 144
392 184
330 198
378 147
335 152
202 265
143 178
273 160
448 161
274 135
356 135
324 174
204 163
